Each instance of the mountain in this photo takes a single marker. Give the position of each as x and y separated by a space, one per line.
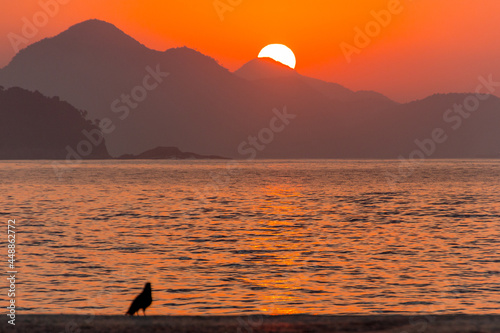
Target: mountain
168 153
267 68
264 68
33 126
182 98
96 67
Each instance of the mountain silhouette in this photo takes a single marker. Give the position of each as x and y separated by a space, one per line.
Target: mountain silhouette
263 68
200 106
266 68
33 126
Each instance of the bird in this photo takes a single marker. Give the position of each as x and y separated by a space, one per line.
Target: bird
142 301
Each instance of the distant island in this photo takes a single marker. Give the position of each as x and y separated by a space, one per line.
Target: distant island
168 153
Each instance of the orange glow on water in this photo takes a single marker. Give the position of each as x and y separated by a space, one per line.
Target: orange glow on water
281 247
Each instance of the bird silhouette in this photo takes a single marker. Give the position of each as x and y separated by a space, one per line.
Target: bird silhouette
142 301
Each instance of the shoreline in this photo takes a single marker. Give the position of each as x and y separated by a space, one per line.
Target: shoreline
256 323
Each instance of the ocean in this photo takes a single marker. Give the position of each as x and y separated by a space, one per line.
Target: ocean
255 237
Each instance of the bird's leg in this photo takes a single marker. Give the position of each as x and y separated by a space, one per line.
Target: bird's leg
144 312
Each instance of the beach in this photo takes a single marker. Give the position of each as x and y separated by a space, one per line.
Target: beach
249 324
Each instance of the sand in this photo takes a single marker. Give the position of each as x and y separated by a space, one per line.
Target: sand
253 324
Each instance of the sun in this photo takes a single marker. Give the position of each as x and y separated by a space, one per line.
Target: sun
280 53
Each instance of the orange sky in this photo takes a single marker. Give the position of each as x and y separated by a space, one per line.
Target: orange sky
429 46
